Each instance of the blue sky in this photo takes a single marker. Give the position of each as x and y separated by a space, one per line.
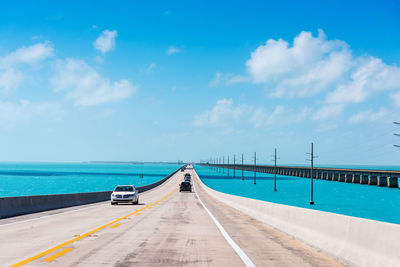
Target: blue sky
140 80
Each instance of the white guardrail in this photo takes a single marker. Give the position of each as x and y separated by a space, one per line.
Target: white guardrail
354 241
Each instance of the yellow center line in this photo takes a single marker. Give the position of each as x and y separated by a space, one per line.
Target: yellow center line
115 225
59 254
44 253
137 214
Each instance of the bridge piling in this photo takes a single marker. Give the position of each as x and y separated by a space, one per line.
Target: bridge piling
356 179
364 179
373 180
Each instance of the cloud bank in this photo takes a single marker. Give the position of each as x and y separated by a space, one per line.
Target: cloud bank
11 75
86 87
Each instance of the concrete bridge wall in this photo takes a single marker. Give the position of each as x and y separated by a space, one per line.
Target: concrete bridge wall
14 206
355 241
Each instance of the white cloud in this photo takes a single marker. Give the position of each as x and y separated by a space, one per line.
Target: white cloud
280 115
10 74
106 41
371 76
85 87
10 79
314 64
226 79
328 112
396 98
223 114
311 65
369 116
12 114
30 54
173 50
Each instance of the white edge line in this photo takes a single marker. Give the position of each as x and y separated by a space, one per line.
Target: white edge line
246 260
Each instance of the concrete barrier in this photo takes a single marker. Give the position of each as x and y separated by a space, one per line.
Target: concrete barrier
354 241
14 206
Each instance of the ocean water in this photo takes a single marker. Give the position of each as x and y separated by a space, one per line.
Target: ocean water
364 201
23 179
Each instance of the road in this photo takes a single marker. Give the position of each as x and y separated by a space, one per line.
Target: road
168 228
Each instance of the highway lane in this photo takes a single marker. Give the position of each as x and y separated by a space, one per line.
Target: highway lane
169 228
174 231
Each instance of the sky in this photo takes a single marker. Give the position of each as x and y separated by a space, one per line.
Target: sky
194 80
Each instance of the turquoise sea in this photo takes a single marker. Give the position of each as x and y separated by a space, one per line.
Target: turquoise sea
370 202
23 179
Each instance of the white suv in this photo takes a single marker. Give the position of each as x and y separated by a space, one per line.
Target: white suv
125 194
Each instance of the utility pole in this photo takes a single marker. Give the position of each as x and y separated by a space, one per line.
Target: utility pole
312 169
255 158
234 166
275 158
242 168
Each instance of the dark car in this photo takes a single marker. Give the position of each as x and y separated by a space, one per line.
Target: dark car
185 186
187 175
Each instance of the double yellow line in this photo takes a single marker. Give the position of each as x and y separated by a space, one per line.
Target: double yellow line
44 253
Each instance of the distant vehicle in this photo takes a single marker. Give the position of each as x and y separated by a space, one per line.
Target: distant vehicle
185 186
182 169
187 175
187 179
125 194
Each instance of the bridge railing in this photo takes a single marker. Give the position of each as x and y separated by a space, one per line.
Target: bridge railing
387 178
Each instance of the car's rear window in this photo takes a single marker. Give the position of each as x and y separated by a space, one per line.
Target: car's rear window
124 188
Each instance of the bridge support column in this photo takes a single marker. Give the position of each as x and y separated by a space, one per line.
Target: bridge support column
348 178
373 180
341 177
356 179
382 180
364 179
393 182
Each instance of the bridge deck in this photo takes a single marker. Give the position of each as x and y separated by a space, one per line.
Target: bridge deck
169 228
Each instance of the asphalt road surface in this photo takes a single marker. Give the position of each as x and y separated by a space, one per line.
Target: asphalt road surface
167 228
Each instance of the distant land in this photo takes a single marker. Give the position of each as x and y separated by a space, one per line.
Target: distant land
135 162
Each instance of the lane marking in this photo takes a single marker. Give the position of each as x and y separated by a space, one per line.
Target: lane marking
46 252
59 254
138 214
115 225
246 260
